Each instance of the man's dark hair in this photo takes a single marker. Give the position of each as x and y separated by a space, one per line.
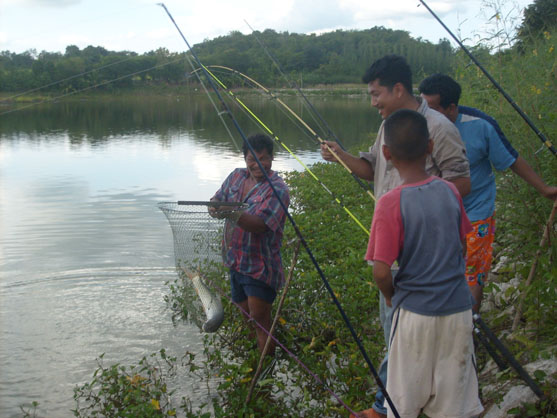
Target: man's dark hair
406 135
259 142
443 85
389 70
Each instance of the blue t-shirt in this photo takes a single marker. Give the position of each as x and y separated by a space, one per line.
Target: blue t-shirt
484 147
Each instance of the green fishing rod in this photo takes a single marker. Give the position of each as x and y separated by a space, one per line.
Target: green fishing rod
289 216
313 110
509 99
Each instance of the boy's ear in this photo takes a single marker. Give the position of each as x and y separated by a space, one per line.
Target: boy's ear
387 152
398 90
430 146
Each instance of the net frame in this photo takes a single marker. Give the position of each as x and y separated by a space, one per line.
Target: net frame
201 241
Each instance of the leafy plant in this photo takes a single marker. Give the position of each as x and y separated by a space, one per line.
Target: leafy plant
128 391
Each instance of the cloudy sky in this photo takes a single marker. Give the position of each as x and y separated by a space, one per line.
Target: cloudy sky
141 25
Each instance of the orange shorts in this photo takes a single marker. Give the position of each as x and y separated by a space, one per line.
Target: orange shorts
479 251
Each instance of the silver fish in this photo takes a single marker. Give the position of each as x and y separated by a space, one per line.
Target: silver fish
212 305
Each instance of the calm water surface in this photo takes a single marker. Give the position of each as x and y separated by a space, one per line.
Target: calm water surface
84 251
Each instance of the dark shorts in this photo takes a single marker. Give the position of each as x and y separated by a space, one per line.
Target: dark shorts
242 286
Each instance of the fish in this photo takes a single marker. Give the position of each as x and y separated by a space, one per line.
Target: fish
212 305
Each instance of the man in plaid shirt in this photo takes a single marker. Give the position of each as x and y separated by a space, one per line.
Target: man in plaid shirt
253 253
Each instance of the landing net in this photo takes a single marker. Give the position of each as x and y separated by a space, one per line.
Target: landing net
200 242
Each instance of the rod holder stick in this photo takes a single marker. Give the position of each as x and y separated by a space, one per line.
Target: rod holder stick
275 320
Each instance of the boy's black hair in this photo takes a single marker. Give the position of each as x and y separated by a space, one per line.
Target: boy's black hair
389 70
406 135
259 142
448 90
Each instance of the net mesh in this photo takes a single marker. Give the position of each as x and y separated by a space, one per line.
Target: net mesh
200 242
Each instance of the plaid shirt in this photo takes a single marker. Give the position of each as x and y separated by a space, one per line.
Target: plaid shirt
257 254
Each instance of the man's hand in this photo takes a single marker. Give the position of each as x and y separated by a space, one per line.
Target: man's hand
384 279
216 212
550 192
328 149
224 212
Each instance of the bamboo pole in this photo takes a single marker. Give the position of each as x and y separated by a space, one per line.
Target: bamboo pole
532 273
275 320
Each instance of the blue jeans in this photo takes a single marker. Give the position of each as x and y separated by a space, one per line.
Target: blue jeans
385 316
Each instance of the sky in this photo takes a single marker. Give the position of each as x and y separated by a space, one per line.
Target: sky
142 26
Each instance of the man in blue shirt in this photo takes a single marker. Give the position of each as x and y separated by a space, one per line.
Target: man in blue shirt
486 146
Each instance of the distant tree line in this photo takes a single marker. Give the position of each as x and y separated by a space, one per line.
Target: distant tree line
330 58
336 57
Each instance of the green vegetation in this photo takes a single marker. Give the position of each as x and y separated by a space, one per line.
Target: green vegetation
337 57
310 325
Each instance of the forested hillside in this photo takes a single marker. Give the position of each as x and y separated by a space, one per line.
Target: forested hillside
336 57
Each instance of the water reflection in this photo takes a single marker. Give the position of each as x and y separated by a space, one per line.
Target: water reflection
84 251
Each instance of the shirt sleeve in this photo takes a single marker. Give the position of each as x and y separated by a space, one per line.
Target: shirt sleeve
268 207
229 190
466 110
386 236
499 154
449 152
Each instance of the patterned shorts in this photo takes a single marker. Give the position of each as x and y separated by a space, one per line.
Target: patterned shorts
479 251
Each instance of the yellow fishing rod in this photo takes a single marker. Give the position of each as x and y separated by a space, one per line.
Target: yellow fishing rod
272 134
295 115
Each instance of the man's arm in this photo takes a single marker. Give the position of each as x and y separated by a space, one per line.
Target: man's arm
463 185
384 280
359 166
523 169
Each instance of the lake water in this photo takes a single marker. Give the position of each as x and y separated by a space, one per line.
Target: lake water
84 251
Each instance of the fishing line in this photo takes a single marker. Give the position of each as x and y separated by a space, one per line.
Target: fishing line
51 99
293 223
245 108
509 99
313 111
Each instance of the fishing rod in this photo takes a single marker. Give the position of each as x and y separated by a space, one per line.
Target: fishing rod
294 225
244 107
508 355
313 110
292 113
501 364
540 135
